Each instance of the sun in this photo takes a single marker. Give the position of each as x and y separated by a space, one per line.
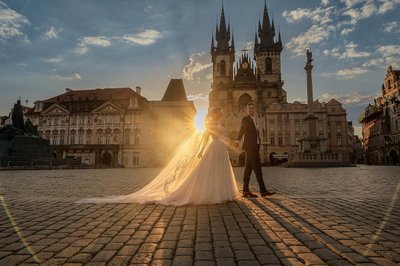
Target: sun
199 119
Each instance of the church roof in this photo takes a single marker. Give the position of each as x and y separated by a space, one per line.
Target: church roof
175 91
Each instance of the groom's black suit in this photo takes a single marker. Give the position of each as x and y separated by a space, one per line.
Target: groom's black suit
252 147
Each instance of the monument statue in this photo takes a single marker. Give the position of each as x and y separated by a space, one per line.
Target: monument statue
309 56
18 116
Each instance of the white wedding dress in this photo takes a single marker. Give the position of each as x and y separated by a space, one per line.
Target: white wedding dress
187 179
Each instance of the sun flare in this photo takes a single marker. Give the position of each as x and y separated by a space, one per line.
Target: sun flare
199 119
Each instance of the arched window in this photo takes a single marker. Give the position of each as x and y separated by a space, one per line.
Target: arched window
268 65
243 101
223 68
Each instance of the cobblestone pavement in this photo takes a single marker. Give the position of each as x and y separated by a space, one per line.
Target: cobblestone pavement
338 216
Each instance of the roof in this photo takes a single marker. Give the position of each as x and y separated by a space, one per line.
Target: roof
175 91
89 99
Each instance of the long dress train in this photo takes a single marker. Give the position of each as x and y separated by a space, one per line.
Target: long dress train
187 179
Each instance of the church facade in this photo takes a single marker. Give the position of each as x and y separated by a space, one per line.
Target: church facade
258 79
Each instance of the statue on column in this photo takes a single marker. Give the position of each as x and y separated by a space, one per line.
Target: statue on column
309 56
18 116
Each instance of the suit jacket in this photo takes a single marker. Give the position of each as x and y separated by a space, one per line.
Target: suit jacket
249 131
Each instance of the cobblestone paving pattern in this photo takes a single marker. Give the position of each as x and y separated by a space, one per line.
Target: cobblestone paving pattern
337 216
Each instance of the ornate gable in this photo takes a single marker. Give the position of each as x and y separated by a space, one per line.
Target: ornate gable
109 107
56 109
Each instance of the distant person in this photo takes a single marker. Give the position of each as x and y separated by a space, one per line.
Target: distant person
251 145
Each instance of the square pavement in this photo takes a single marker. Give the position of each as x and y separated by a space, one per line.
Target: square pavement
336 216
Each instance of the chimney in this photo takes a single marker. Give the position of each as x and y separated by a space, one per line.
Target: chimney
138 90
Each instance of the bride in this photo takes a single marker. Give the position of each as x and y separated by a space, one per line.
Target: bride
199 173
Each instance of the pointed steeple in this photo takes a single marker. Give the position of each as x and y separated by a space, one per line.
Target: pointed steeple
279 38
273 28
233 42
266 24
266 32
222 23
212 42
222 33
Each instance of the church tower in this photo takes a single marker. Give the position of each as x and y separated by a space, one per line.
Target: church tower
267 54
223 58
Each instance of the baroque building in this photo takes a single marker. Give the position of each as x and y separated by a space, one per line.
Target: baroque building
381 123
114 126
258 79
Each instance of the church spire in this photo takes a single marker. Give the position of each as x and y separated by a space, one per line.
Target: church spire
212 42
233 42
266 32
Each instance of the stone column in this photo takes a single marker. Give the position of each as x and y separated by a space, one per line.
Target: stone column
311 118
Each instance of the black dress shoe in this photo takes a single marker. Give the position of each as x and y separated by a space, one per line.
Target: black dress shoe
267 193
248 194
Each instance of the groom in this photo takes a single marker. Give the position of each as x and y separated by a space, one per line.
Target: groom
251 145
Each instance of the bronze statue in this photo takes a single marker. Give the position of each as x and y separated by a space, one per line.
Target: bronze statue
309 56
18 116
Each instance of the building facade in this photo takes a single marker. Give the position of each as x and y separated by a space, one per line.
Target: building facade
258 79
381 123
112 127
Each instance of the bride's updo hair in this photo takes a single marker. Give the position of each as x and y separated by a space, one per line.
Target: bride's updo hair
209 119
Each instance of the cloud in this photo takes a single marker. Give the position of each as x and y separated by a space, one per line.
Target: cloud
75 76
316 34
350 52
317 15
325 2
354 98
92 41
390 26
146 37
387 5
389 50
11 24
374 62
347 73
198 63
198 97
346 31
54 60
52 33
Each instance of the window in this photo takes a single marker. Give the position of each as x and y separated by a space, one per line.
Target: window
320 126
297 127
80 139
223 68
72 139
135 159
61 138
338 128
268 65
272 126
280 140
339 141
287 127
272 141
89 139
287 139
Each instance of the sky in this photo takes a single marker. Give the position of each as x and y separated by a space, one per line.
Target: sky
47 46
